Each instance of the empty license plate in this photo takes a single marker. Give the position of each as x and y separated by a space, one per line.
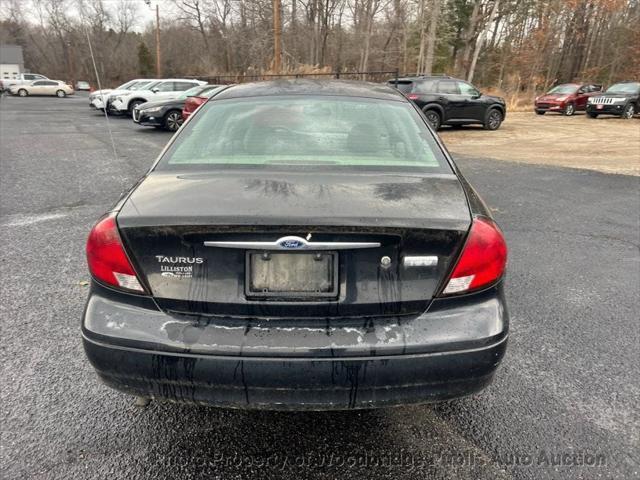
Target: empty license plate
292 274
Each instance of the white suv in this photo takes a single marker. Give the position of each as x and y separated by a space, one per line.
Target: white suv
98 98
125 102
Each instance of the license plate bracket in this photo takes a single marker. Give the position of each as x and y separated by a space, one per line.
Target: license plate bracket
291 275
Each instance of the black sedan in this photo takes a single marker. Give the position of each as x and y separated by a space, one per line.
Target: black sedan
166 114
320 251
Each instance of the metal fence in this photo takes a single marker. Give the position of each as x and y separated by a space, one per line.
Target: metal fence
372 76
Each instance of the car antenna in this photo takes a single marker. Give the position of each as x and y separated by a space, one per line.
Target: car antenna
106 115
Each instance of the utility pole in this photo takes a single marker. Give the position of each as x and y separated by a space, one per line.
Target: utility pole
277 37
158 59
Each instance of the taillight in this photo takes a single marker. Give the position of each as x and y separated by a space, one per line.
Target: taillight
413 96
107 259
482 261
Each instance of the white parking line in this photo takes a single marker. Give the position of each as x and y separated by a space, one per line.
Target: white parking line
22 220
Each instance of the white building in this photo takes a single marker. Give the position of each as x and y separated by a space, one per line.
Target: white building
11 61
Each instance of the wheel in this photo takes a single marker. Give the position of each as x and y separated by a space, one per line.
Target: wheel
433 117
133 105
570 109
60 94
172 120
540 112
23 93
592 115
628 111
494 119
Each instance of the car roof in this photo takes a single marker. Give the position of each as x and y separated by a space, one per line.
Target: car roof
341 88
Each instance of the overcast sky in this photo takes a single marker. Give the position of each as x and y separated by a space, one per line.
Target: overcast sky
145 14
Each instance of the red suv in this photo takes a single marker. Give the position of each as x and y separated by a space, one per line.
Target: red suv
566 98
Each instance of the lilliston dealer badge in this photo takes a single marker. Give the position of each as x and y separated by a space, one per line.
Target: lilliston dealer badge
178 267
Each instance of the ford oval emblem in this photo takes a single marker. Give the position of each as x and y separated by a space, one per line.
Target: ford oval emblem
291 243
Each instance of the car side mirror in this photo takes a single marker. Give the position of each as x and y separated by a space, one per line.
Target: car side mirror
155 90
476 96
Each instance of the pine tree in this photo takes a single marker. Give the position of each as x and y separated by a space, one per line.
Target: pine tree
145 60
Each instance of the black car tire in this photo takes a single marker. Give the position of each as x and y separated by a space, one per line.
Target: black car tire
628 112
540 112
493 119
133 105
23 93
434 118
592 115
570 109
60 94
172 120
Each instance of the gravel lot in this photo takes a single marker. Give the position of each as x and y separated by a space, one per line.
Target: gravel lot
606 144
565 392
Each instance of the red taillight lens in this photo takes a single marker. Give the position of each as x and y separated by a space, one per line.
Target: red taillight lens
482 261
413 96
107 259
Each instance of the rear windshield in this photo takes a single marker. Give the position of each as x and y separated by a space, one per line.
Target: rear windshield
327 132
190 92
403 85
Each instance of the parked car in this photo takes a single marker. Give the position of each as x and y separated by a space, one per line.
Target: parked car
621 99
42 87
125 102
167 114
21 79
314 248
448 101
82 85
98 98
194 101
567 98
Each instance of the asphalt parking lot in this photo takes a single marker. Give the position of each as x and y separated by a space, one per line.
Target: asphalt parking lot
564 405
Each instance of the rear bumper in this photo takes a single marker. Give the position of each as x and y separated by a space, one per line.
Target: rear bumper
450 351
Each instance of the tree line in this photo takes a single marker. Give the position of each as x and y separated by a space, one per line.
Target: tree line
513 45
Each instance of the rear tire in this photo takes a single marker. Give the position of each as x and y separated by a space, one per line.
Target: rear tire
540 112
23 93
628 112
592 115
493 119
60 94
434 119
172 120
569 110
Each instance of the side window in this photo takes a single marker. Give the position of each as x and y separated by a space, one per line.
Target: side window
49 82
466 89
584 89
165 87
29 77
425 86
448 87
182 86
39 77
39 84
